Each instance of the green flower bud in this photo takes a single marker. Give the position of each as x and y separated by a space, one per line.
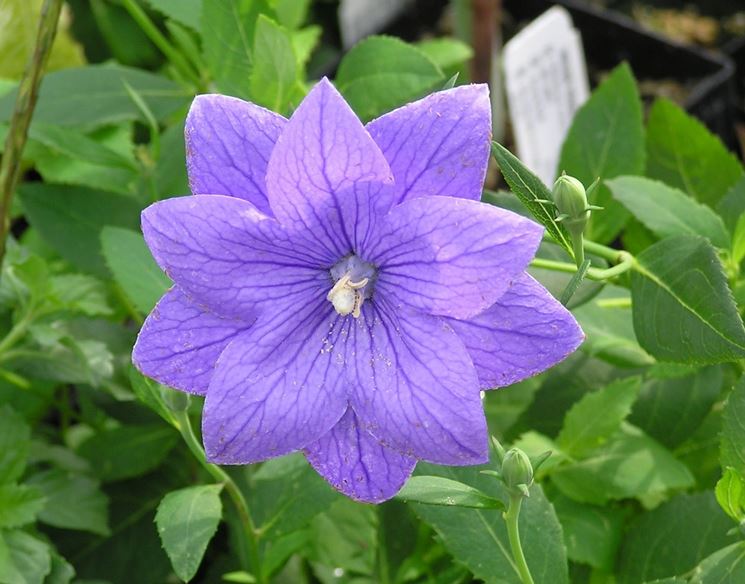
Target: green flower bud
571 200
517 472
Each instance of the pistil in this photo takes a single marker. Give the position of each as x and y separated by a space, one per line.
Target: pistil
347 296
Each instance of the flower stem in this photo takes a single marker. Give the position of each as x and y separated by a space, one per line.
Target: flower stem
513 531
28 92
623 261
235 494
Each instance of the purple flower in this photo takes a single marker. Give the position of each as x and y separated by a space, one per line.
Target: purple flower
340 290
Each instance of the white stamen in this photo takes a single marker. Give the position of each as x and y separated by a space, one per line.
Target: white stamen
346 296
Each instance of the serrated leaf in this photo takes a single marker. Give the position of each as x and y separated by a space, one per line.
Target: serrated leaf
531 191
671 410
478 537
738 241
291 13
592 534
606 140
673 538
629 465
733 429
726 566
95 96
150 393
730 493
382 73
24 559
608 324
445 492
127 451
682 153
15 440
667 211
275 73
187 12
446 53
73 501
732 205
187 519
133 267
79 293
19 505
597 416
70 219
683 308
227 37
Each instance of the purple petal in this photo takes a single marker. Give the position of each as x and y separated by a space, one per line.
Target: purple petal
357 464
413 386
228 256
525 332
323 150
451 257
228 144
277 387
180 342
438 145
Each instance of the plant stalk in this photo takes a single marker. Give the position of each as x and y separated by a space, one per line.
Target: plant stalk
511 518
623 261
235 494
28 93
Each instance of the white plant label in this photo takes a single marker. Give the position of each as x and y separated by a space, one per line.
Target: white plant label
546 81
361 18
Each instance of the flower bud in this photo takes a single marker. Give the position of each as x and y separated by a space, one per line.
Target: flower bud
517 472
571 200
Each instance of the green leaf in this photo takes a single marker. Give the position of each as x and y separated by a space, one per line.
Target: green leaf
19 505
133 267
683 309
150 393
592 534
597 416
726 566
478 537
79 293
445 492
187 519
73 501
170 168
673 538
70 219
733 429
95 95
24 559
186 12
738 241
668 211
344 537
606 140
730 493
630 464
608 324
732 206
17 42
62 572
291 13
382 73
682 153
671 410
128 451
304 42
531 191
227 37
15 440
274 73
288 493
74 144
447 53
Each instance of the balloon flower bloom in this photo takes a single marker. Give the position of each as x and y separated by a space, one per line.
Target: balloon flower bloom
340 290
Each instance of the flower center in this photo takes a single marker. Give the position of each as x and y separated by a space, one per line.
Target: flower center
354 280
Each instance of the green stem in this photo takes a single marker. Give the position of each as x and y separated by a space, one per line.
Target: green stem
579 249
28 92
160 41
511 518
235 494
623 261
16 333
